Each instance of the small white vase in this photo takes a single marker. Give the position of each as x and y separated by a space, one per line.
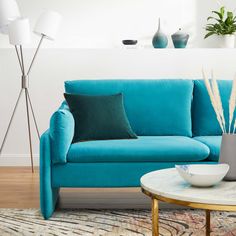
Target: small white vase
227 41
228 154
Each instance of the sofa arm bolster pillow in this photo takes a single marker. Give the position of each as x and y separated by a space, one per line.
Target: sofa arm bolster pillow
61 134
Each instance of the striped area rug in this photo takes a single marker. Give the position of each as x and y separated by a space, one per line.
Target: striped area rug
113 222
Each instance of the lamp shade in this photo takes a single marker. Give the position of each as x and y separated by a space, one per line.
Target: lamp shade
8 11
19 31
48 24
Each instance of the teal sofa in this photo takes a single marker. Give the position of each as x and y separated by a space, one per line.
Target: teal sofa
173 119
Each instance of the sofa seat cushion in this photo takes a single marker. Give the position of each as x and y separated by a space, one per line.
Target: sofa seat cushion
143 149
213 142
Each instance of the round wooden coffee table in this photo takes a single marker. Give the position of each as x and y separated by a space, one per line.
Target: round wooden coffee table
167 186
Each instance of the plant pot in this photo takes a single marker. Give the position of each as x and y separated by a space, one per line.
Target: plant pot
227 41
228 155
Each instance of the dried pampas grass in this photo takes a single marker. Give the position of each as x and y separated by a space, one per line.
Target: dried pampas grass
214 95
234 126
232 103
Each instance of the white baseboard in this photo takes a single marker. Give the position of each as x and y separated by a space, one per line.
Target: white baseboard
18 160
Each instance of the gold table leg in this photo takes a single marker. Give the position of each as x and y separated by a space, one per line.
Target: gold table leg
208 222
155 212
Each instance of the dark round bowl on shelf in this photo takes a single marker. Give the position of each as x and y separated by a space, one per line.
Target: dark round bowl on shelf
129 42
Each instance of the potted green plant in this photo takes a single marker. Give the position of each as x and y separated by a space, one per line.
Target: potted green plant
224 27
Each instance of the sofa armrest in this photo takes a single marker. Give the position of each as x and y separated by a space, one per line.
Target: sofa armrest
61 134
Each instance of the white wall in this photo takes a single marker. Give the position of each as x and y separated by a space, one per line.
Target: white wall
68 61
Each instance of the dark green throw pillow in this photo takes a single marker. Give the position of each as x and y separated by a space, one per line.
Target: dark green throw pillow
99 117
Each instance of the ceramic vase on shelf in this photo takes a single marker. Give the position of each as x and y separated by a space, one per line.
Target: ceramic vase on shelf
159 40
227 41
228 155
180 39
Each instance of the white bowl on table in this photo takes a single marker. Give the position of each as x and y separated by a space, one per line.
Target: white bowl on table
203 175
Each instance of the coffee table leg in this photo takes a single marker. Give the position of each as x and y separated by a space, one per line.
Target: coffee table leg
208 222
155 213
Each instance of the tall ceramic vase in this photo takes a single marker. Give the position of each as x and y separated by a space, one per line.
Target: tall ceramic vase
228 155
159 39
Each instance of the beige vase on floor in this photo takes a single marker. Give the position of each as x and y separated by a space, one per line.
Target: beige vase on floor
228 155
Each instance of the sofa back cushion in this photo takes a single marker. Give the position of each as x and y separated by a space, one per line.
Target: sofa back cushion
203 115
153 107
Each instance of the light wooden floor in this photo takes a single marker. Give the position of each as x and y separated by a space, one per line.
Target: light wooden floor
19 188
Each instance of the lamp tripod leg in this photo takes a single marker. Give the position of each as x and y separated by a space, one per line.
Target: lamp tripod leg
29 130
32 110
10 122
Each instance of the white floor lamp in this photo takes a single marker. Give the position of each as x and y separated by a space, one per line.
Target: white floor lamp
18 29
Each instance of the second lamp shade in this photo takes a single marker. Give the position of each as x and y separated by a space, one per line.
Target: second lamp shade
19 32
48 24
